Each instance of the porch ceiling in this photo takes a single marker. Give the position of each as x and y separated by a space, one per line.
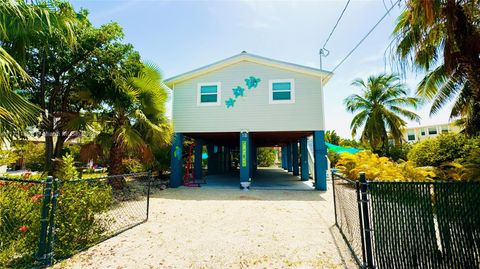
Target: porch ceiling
261 139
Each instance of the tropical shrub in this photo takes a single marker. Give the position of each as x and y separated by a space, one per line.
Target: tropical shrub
8 157
381 168
398 152
67 169
333 157
442 149
20 222
32 155
133 165
80 219
266 157
161 162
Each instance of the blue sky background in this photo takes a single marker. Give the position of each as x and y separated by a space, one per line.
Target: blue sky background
179 36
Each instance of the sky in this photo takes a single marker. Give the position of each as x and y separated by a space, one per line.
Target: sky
179 36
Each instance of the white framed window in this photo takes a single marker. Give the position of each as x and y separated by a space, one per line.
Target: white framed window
281 91
432 131
209 94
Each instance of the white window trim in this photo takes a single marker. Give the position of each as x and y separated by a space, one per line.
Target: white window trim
292 92
219 93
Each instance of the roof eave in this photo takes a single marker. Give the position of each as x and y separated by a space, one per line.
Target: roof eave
324 75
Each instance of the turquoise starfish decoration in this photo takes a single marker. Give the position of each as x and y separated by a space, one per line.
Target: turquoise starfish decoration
252 82
238 91
230 102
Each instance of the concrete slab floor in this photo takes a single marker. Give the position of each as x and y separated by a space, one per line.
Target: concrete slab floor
265 179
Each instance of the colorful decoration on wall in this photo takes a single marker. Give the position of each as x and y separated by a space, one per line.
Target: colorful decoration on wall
238 91
230 102
177 153
252 82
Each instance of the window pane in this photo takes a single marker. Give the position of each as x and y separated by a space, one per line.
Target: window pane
208 89
281 86
281 96
432 131
411 137
209 98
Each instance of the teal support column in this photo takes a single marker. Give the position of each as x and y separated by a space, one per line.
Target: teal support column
227 159
198 151
320 152
289 158
254 160
304 174
244 157
211 161
295 170
220 160
284 159
176 161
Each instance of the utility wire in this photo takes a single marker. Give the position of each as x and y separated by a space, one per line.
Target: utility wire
336 24
365 37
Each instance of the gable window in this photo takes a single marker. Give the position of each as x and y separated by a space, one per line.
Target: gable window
209 94
282 91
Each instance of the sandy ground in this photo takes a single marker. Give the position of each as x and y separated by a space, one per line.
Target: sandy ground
227 228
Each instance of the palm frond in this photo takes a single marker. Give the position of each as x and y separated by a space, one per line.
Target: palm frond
431 83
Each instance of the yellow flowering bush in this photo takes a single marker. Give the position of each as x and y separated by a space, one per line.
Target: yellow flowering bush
381 168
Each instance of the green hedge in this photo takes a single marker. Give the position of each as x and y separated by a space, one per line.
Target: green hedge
78 219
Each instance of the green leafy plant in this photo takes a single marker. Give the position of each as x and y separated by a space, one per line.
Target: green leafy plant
381 168
67 170
81 216
333 157
332 137
33 154
20 222
442 149
8 157
266 157
133 165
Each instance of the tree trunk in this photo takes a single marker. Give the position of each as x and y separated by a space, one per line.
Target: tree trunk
116 166
49 153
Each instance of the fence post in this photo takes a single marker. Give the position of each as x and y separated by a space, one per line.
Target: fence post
366 221
360 221
334 198
51 227
148 192
42 242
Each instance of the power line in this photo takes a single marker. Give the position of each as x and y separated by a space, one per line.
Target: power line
365 37
336 24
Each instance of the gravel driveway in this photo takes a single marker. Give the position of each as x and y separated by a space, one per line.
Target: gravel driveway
227 228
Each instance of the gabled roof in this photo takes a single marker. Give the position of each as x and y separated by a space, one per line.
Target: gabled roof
248 57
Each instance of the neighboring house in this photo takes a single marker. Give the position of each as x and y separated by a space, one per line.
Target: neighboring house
415 134
244 102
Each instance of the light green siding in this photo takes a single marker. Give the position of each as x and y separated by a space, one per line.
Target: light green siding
252 112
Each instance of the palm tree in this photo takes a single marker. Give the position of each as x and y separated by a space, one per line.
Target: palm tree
133 119
442 38
21 23
380 107
332 137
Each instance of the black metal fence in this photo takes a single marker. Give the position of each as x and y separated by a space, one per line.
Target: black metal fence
410 224
45 220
